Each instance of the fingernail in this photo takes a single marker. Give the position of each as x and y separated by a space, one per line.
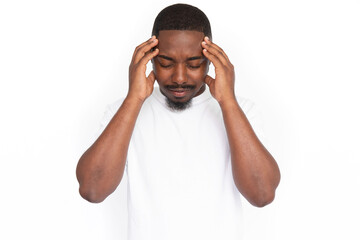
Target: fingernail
207 38
204 43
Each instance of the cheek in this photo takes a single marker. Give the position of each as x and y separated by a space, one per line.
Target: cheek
161 75
198 75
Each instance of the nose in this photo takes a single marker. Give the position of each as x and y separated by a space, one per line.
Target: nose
179 75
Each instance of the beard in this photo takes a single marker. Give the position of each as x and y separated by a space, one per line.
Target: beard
178 106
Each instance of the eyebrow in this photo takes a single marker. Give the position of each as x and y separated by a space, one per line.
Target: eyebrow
189 59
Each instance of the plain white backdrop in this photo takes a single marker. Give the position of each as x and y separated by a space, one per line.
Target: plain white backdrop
62 62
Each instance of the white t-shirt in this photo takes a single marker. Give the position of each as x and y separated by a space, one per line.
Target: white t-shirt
180 183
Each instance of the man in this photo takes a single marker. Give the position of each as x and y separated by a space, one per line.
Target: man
187 146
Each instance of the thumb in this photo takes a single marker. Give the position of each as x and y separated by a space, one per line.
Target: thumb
151 77
208 80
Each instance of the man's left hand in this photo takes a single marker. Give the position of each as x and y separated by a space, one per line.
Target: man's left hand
222 87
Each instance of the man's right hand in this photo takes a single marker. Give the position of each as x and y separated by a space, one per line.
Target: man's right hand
140 86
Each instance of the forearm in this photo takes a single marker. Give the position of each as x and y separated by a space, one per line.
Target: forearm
255 172
101 167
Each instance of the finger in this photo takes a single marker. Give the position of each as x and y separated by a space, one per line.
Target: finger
141 50
216 50
141 45
214 59
148 56
208 41
208 80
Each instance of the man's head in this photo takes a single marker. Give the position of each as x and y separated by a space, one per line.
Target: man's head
180 67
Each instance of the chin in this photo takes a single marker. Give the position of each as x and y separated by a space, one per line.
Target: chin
178 105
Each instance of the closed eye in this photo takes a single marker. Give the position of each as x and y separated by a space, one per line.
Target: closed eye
165 66
191 66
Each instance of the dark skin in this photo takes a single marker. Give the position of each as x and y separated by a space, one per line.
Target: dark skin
180 62
180 66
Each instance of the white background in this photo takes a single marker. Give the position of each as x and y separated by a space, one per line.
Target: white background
62 62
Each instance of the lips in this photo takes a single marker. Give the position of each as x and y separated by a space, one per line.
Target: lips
179 92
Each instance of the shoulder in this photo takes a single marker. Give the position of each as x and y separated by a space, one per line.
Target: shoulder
110 111
247 105
253 114
113 107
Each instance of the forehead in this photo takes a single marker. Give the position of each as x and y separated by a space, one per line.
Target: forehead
180 43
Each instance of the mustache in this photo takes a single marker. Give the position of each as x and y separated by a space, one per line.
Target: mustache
183 86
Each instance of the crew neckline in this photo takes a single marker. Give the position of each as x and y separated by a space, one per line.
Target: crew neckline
195 100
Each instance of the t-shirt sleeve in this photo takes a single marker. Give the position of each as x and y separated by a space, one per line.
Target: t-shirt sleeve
253 114
109 113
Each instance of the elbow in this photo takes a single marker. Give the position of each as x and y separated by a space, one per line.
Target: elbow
266 195
91 195
259 196
263 200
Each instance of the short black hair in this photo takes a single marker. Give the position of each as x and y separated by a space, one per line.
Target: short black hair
182 17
